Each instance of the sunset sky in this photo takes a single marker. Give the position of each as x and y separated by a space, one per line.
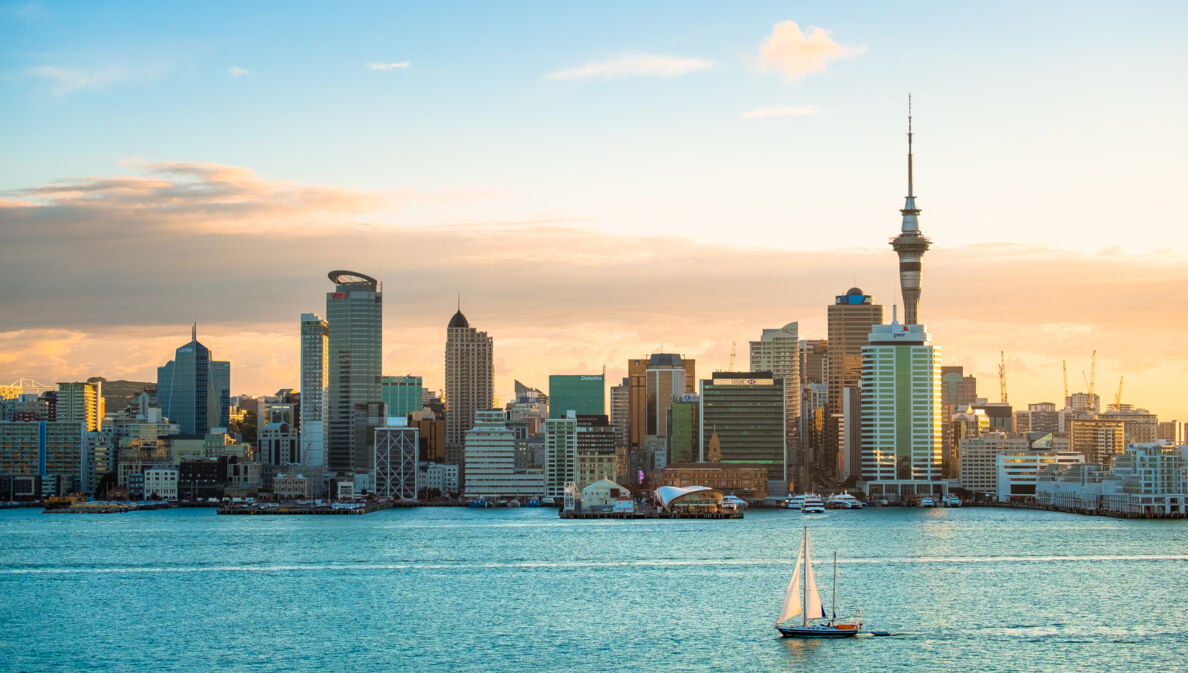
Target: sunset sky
598 181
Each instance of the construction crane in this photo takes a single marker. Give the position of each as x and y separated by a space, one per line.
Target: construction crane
1118 396
1002 375
1093 380
1065 381
733 345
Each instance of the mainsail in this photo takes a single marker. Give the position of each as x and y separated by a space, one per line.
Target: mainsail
812 601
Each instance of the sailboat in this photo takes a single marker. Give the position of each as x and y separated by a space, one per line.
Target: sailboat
802 600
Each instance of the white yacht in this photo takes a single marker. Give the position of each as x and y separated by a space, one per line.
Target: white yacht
843 501
927 502
733 503
951 501
812 504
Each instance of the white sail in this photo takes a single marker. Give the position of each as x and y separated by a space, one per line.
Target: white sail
791 596
812 602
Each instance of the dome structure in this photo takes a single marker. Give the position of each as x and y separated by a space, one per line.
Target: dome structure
458 320
854 292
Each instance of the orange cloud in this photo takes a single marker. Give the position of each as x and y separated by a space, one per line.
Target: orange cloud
794 54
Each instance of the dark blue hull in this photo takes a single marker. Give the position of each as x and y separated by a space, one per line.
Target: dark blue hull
816 632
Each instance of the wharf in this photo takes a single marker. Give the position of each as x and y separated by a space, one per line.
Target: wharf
107 508
303 509
1093 512
651 515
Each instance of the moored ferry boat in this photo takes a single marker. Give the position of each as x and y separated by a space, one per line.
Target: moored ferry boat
812 504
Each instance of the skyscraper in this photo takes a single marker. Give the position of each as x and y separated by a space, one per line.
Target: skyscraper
354 316
850 320
193 390
746 410
910 244
315 349
581 393
901 400
778 351
81 402
470 381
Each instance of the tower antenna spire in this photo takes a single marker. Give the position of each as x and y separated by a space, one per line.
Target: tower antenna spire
911 191
194 332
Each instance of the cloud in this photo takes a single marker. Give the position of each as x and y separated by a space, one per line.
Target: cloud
110 271
236 72
796 54
783 111
197 197
65 80
380 65
634 65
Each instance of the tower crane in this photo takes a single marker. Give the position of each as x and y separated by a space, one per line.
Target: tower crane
1093 380
1066 402
1002 375
1118 396
733 348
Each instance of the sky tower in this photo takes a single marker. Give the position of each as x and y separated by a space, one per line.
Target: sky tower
910 244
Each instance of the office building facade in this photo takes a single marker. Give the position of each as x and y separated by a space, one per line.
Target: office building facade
315 378
194 390
583 394
901 411
746 411
354 317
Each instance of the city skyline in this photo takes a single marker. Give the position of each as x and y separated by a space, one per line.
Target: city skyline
803 161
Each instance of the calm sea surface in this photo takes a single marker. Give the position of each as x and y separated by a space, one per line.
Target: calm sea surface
520 590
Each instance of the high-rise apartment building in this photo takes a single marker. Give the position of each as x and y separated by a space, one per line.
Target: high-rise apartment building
1098 439
850 320
584 394
81 402
746 411
354 316
901 405
470 381
194 390
561 447
315 377
620 411
778 351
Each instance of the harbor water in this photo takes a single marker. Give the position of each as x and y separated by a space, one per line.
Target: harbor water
460 589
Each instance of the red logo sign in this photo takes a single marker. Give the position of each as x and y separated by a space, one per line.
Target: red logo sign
338 295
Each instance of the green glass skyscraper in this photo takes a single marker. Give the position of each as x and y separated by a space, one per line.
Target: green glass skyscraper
584 394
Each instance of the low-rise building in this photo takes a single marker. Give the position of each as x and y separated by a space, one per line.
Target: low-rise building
437 477
603 495
1146 479
161 483
290 486
1016 472
745 481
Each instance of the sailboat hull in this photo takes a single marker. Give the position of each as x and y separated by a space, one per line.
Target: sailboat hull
822 631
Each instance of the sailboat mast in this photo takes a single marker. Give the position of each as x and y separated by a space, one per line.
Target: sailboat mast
835 585
804 582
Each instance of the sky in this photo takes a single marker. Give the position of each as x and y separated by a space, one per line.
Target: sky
597 181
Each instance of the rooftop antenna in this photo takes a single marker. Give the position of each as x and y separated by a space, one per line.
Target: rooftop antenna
194 332
910 193
459 301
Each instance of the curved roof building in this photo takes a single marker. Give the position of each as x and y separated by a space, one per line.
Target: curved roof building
671 498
